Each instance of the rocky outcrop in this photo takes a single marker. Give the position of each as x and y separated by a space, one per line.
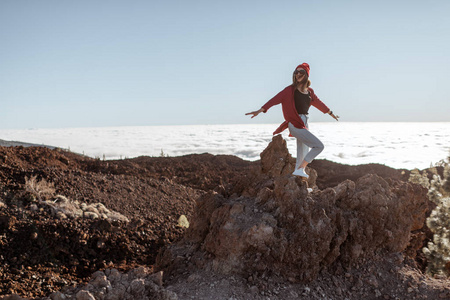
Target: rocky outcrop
276 161
279 227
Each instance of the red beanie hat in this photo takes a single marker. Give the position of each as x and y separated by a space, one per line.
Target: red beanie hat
305 67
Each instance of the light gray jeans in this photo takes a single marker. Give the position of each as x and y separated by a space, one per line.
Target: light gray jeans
305 140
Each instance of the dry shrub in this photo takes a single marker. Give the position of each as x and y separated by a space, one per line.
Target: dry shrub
438 250
40 189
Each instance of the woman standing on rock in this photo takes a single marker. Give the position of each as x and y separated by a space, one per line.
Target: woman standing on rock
295 101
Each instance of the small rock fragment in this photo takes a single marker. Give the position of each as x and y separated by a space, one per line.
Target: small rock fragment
84 295
183 222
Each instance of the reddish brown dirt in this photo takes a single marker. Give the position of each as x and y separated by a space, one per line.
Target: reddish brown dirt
331 174
40 254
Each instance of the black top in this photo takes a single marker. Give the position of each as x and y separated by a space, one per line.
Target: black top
302 102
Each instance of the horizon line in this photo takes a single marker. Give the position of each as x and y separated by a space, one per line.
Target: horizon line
213 124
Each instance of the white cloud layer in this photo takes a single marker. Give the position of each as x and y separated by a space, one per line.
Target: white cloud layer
398 145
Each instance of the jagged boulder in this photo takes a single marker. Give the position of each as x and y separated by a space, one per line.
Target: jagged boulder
276 163
276 159
281 228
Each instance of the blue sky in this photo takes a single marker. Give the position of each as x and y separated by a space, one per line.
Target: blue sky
126 63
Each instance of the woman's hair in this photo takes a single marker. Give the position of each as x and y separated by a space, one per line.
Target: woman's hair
305 81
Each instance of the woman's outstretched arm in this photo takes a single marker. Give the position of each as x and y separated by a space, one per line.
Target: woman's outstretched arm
333 115
256 112
274 101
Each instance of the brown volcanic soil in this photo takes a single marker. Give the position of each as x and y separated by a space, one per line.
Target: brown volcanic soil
40 253
331 174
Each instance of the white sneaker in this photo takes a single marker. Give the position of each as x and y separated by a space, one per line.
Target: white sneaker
300 172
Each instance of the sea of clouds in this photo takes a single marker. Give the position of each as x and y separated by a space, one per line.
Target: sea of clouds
398 145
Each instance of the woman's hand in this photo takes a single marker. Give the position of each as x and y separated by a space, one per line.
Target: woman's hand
334 117
255 113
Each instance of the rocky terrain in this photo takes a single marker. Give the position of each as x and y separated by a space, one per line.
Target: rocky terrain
73 227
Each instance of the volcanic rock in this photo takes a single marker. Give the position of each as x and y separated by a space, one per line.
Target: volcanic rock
283 229
276 159
245 218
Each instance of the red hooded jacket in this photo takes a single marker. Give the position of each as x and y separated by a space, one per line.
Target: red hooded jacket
286 98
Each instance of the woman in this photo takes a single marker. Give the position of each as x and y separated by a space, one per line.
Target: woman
295 101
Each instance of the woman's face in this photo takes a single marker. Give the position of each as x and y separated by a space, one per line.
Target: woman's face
299 74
